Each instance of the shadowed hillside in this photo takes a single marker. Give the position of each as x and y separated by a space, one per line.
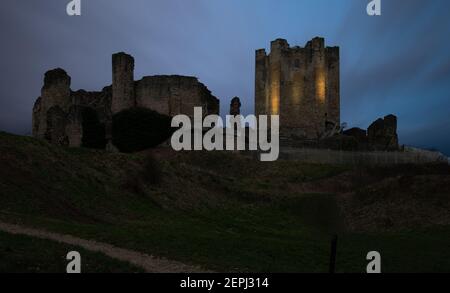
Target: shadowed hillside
229 212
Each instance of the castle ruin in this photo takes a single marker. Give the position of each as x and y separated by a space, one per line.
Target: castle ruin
69 118
301 84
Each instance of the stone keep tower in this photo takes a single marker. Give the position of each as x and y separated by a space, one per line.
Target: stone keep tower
301 85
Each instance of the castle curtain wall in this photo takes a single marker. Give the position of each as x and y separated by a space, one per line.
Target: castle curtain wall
66 124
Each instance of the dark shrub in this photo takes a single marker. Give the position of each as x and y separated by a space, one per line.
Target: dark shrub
137 129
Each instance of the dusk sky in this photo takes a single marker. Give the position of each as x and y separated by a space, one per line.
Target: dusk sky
396 63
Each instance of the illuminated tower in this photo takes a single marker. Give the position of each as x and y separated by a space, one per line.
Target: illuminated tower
299 84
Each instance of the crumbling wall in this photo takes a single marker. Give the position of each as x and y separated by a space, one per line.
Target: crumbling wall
55 92
61 115
382 133
56 121
173 94
74 128
380 136
123 96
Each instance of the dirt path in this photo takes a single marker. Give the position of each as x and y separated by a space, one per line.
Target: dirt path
149 263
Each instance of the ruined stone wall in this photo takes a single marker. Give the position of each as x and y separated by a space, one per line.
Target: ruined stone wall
382 134
261 96
299 84
123 96
59 113
173 94
82 102
54 94
333 84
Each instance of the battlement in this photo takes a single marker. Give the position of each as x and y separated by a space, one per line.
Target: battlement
279 45
261 53
316 44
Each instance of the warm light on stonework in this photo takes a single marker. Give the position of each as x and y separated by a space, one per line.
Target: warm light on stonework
320 87
275 93
275 101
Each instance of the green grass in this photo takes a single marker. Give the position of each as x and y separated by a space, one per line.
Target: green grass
23 254
219 210
235 238
279 238
421 251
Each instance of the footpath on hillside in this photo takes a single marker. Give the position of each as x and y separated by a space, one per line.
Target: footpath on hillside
149 263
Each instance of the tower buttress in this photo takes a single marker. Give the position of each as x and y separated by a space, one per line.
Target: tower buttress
123 96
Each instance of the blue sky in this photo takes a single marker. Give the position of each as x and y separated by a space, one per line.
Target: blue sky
397 63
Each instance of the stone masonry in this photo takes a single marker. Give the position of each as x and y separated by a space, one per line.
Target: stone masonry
302 85
60 114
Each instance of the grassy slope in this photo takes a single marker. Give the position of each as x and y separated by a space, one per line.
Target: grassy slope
23 254
222 211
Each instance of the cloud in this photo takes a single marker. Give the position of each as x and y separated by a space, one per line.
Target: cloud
397 63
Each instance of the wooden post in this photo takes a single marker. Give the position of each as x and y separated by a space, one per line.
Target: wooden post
333 254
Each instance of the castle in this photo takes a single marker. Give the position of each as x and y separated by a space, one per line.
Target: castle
66 117
301 85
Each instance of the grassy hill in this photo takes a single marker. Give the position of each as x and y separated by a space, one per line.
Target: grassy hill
229 212
23 254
